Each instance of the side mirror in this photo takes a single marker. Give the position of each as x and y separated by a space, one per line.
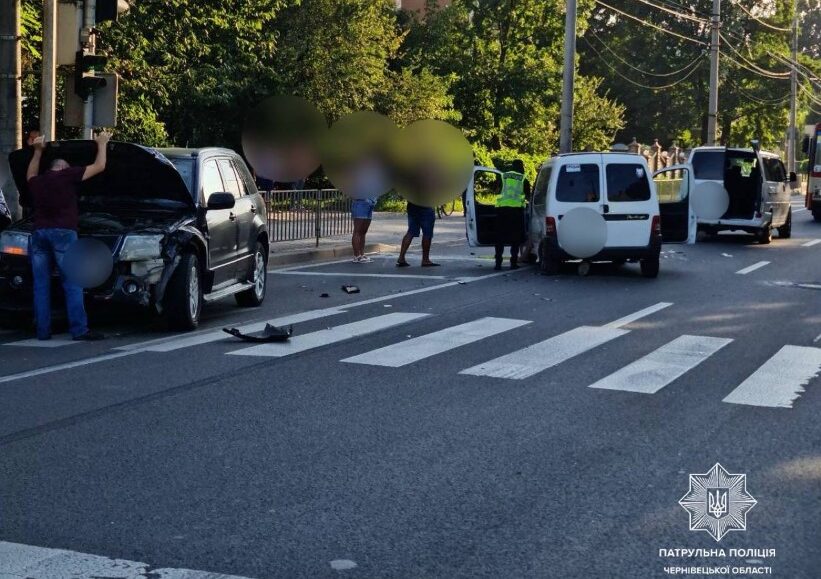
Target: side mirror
221 201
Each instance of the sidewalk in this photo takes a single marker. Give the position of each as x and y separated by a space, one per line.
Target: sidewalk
384 235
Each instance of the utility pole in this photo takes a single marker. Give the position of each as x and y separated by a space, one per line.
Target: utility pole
792 137
569 77
11 129
48 91
89 20
712 110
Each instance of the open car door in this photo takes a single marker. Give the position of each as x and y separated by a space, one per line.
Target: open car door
480 206
678 220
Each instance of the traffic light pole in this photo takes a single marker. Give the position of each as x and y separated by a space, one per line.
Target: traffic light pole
48 91
11 129
569 77
712 111
792 137
89 20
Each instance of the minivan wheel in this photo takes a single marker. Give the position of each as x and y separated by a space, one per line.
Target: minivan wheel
650 267
765 236
816 215
785 231
547 265
253 297
182 303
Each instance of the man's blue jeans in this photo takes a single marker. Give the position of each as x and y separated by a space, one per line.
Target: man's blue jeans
49 246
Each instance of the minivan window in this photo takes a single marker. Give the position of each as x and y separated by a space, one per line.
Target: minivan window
540 190
774 169
578 184
627 183
708 165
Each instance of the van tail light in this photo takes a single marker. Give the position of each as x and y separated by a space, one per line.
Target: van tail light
655 227
550 225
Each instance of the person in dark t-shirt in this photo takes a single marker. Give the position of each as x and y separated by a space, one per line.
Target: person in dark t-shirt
56 216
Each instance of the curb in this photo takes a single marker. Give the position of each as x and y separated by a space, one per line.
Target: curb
325 253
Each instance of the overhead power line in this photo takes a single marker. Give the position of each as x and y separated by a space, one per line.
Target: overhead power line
638 84
640 70
651 25
752 70
762 71
761 100
757 19
810 96
675 12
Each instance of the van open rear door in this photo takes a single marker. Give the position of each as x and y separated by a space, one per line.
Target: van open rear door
480 209
678 220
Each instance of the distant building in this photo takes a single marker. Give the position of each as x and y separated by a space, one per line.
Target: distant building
418 5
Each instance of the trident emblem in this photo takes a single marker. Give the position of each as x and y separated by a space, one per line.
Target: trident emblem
717 503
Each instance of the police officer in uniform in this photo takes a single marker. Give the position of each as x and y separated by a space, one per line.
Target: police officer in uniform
510 214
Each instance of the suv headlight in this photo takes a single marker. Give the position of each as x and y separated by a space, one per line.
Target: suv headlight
140 247
14 243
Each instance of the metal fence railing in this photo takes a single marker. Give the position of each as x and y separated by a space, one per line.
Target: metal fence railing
308 214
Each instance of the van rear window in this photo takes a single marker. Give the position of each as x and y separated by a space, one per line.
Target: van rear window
627 183
708 165
578 184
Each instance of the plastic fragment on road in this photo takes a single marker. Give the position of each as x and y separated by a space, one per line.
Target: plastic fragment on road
269 334
350 289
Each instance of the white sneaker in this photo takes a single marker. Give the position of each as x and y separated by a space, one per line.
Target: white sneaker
356 258
365 259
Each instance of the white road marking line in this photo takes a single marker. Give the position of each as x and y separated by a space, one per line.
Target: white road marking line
61 367
781 380
752 268
799 210
18 560
659 368
421 347
172 343
638 315
52 343
814 286
328 336
529 361
811 243
817 339
337 274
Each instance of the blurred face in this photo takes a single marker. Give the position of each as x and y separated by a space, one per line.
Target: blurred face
32 135
59 165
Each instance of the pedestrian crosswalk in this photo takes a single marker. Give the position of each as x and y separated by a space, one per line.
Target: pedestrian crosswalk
777 383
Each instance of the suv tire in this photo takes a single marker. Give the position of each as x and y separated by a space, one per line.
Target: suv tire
785 231
252 298
182 303
547 264
765 236
650 266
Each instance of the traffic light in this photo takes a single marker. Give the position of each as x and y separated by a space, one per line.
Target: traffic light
84 83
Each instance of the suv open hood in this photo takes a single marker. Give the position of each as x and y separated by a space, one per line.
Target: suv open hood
131 171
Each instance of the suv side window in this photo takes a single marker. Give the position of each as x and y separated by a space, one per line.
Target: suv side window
211 182
627 183
229 177
774 169
708 165
246 181
578 183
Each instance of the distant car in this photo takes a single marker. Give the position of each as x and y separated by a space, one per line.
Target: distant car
184 226
616 187
758 186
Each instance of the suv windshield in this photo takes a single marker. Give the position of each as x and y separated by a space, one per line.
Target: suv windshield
185 166
708 165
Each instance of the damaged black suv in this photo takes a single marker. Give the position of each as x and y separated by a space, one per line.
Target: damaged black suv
184 226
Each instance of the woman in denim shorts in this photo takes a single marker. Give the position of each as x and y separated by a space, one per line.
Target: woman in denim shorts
362 213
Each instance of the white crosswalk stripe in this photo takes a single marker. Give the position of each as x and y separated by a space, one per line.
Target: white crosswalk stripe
54 342
529 361
659 368
781 380
421 347
811 243
329 336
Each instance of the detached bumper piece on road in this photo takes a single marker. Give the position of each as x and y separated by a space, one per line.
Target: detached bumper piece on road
269 334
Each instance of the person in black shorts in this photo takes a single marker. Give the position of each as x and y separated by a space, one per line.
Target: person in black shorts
419 219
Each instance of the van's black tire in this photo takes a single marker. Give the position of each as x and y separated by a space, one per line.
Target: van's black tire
254 297
816 215
650 267
547 264
180 309
765 236
785 231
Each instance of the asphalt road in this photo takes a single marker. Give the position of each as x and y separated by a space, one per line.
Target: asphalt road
478 450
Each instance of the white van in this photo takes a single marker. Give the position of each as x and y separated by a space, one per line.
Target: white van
755 187
590 207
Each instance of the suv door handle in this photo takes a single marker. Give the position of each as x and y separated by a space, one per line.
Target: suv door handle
232 217
605 209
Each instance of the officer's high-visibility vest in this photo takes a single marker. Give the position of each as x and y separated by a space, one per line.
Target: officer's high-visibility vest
513 190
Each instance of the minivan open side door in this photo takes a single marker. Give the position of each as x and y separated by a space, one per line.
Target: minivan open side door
480 208
678 220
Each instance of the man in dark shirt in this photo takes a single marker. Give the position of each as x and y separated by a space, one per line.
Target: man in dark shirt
56 216
420 219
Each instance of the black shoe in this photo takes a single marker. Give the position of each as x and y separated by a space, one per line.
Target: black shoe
89 336
514 265
498 266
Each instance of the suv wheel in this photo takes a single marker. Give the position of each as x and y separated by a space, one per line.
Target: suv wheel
785 231
254 297
765 236
182 303
547 265
650 266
